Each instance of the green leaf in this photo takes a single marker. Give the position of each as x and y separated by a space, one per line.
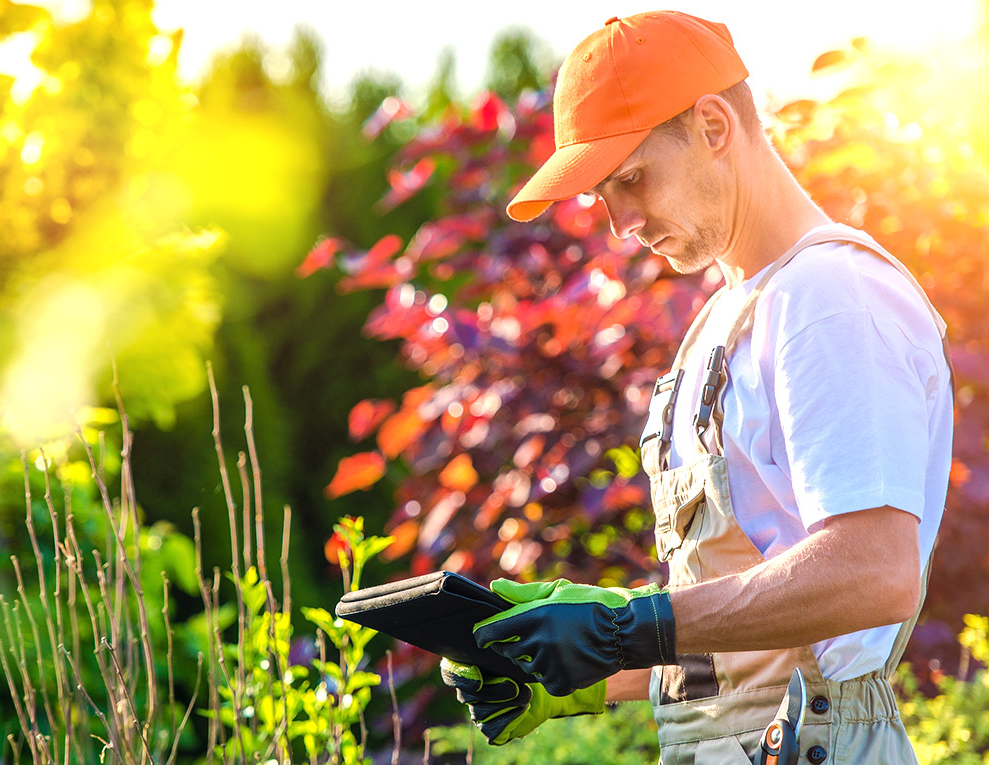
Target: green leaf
360 636
374 545
360 680
626 461
321 618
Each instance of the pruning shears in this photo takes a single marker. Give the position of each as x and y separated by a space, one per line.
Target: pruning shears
779 744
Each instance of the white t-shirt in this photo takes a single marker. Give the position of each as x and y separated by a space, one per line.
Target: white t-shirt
839 399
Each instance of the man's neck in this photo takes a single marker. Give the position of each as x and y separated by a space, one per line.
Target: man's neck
772 213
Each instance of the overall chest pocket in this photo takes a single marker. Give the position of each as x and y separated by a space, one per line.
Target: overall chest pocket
675 515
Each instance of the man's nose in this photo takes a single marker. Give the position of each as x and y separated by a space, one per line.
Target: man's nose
626 220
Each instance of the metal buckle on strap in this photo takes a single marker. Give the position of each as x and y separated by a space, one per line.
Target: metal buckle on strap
669 382
714 378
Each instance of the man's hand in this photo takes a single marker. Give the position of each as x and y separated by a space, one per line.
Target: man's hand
504 710
572 636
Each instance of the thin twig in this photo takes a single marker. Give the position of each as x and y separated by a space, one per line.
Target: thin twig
68 556
131 575
214 697
37 643
128 495
82 690
22 716
14 747
396 718
43 588
114 682
235 697
239 686
286 581
321 648
256 472
17 640
188 710
169 655
130 702
56 634
246 495
279 668
94 616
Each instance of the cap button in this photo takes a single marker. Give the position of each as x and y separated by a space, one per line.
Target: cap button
612 20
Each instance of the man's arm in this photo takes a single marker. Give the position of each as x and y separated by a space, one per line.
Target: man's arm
628 685
861 570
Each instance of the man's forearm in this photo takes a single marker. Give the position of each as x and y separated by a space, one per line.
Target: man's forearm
629 685
861 571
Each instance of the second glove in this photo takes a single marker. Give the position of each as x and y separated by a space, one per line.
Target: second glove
504 710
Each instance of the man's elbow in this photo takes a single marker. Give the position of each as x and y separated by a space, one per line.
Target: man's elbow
903 600
884 563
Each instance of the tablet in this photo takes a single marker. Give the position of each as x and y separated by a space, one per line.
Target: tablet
436 612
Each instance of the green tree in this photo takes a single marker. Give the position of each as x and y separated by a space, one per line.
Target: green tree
519 61
95 264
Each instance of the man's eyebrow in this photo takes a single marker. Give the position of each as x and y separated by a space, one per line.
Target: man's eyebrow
606 181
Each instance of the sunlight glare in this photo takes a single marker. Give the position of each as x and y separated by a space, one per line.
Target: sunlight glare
61 326
15 61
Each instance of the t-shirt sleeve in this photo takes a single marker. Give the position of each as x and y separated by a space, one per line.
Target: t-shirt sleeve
853 395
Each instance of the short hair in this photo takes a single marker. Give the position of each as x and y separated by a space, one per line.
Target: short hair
738 96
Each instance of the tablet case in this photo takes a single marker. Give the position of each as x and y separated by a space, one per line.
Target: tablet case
436 612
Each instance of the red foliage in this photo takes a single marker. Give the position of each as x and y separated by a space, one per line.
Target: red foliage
541 342
334 546
323 255
357 472
366 416
406 182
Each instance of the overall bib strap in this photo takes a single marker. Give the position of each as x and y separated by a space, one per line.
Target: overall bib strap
835 232
839 232
659 425
715 380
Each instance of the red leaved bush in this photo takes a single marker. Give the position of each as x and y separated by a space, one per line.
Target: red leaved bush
541 343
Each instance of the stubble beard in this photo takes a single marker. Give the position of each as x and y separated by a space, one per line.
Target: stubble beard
707 242
699 252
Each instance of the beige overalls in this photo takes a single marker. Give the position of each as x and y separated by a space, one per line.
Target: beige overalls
712 708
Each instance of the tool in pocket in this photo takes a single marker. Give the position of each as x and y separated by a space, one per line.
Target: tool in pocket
780 742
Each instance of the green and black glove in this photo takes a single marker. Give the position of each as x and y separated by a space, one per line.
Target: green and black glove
572 636
504 710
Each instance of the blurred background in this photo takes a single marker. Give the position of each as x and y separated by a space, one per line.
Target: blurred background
309 196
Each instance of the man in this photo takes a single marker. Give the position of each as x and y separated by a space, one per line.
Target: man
798 453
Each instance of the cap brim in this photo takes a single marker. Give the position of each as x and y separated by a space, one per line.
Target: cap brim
572 170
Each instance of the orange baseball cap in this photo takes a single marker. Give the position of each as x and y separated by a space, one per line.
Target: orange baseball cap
616 86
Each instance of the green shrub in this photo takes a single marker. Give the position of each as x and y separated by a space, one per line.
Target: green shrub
94 667
623 735
953 727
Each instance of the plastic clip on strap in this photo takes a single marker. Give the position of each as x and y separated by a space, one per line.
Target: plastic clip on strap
669 382
714 378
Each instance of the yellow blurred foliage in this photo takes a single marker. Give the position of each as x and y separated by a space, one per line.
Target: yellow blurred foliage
113 177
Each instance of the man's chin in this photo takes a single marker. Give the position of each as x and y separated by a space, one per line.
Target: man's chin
682 266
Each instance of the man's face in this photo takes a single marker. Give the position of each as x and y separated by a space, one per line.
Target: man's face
669 195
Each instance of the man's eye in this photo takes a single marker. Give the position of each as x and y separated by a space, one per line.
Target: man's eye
629 180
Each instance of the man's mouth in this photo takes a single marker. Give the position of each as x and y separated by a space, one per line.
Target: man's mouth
657 244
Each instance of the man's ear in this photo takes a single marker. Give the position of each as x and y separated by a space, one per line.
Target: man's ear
716 123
